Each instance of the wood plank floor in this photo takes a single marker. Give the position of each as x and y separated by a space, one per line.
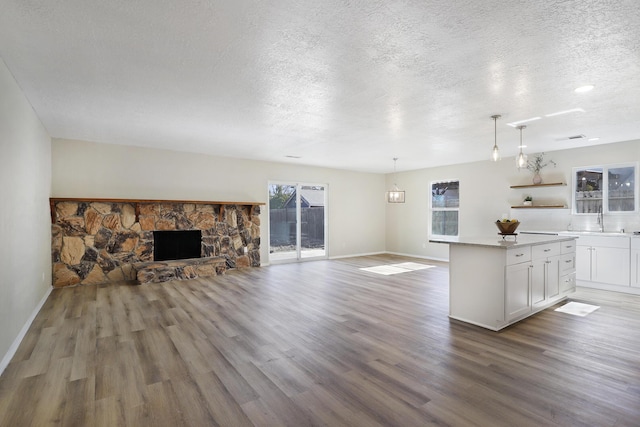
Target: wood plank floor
317 343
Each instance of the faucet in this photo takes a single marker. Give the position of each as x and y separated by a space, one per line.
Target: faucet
600 218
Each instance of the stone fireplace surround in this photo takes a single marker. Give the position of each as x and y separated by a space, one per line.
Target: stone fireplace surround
97 241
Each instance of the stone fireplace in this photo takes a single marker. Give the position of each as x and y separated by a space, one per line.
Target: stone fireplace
97 241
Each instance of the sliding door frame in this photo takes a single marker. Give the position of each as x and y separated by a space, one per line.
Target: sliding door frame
299 252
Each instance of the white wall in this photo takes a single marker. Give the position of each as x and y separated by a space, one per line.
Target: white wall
356 211
485 195
25 224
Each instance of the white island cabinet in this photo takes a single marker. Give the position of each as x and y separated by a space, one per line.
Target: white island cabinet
494 283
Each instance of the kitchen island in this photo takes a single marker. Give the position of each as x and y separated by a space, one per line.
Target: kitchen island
494 282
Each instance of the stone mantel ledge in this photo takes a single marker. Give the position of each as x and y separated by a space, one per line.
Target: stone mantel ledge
136 202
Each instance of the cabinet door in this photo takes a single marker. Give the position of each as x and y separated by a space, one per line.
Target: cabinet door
553 277
583 263
518 295
538 282
635 268
610 265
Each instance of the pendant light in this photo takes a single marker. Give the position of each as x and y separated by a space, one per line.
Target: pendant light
521 158
495 154
395 195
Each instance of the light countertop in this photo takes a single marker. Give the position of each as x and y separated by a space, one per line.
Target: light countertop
579 233
497 241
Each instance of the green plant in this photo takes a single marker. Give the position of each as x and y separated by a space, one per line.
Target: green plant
279 194
536 164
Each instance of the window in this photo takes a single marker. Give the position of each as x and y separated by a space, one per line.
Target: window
445 202
609 188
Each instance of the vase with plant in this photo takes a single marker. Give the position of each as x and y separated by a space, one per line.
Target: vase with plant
536 164
528 201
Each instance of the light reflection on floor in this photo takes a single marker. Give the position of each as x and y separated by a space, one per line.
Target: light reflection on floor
390 269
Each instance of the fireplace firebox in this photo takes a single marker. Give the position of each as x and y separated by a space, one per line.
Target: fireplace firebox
176 244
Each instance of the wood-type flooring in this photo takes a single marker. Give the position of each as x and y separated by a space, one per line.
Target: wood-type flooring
317 344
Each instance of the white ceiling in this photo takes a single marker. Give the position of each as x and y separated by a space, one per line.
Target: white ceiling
340 83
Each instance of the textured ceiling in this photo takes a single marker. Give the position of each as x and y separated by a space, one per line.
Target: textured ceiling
345 84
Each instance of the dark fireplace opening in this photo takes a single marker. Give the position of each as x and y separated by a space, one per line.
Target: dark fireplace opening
179 244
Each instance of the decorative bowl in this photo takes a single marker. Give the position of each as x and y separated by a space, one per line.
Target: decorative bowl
507 227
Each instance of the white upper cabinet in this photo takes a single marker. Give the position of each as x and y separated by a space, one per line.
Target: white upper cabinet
608 189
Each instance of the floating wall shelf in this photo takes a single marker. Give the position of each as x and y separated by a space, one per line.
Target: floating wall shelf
539 207
551 184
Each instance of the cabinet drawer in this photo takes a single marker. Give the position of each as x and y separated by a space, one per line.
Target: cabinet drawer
567 283
567 247
567 263
546 250
518 255
622 242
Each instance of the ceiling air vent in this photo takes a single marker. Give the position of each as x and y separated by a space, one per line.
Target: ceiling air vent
572 138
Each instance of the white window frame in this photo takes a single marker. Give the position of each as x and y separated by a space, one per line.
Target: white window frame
433 209
605 188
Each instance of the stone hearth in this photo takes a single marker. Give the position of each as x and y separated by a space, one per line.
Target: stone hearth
98 241
184 269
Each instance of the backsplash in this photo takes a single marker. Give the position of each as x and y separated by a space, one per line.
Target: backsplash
563 220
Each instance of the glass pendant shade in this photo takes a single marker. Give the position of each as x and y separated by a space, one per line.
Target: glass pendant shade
495 153
395 196
521 160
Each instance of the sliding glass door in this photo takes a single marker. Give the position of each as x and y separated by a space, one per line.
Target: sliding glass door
297 221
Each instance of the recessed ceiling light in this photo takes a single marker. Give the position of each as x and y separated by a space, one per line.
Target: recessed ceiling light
519 122
559 113
294 157
594 139
585 88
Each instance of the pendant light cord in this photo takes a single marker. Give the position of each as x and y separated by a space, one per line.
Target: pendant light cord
395 184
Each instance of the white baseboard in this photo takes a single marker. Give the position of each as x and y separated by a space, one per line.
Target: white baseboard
266 264
605 287
16 343
418 256
357 255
